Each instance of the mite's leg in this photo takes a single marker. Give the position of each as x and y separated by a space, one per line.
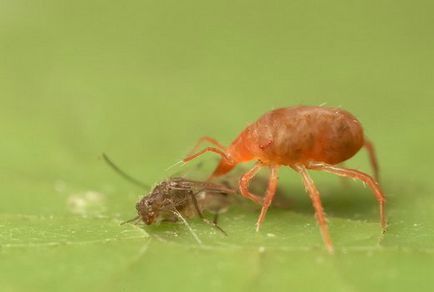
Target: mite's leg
355 174
271 191
372 158
207 149
344 182
245 181
316 201
199 213
207 139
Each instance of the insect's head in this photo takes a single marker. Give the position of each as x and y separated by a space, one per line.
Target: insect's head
148 210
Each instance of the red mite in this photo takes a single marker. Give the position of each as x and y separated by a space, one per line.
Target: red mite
303 138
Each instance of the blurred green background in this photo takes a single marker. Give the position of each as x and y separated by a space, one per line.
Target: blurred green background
142 80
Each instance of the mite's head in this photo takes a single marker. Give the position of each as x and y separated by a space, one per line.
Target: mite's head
238 151
224 167
148 210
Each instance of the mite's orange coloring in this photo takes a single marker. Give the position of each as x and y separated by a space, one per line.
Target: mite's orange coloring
303 138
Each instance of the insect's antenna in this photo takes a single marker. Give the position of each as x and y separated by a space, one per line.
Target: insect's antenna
123 173
131 220
177 214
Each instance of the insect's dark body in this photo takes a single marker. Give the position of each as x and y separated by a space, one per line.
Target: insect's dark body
187 197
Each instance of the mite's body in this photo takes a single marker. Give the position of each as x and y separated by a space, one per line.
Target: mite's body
301 137
288 136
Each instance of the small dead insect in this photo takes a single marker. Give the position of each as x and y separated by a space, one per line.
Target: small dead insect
178 198
303 138
188 197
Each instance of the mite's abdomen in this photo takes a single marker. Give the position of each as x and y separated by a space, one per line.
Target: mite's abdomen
301 134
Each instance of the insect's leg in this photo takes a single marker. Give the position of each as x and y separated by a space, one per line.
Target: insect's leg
196 205
199 213
245 181
355 174
216 218
271 191
180 217
316 201
209 140
207 149
215 223
372 158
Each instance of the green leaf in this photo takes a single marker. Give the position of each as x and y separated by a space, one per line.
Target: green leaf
143 80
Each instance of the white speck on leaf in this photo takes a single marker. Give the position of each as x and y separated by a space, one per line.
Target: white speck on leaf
86 203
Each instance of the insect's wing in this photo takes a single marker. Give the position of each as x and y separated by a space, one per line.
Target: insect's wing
217 188
181 184
197 186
